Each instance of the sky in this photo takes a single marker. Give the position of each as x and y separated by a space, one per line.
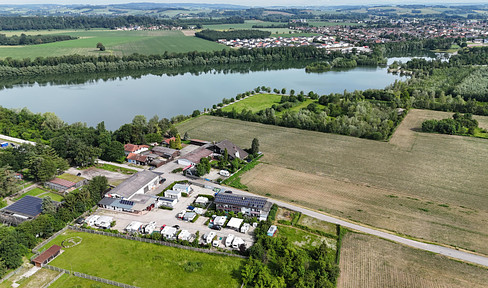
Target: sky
250 2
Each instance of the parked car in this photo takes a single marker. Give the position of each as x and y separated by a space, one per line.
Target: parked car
80 220
176 226
79 174
228 191
216 227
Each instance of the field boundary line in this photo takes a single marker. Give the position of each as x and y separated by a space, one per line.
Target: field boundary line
54 280
89 277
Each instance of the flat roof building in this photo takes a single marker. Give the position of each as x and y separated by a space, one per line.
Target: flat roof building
139 183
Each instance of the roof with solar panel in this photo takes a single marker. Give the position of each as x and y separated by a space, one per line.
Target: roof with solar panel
241 200
28 206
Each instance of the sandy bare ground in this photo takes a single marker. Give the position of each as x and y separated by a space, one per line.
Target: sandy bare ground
188 32
370 262
93 172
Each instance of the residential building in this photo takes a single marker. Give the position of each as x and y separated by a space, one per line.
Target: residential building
232 150
137 159
139 183
172 194
136 149
248 205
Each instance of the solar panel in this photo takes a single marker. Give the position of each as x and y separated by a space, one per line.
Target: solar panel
126 202
28 205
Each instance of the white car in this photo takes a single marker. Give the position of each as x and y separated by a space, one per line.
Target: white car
224 173
228 240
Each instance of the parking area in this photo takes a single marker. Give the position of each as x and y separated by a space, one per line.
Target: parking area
169 218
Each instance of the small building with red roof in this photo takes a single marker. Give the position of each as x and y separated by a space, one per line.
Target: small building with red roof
136 149
47 256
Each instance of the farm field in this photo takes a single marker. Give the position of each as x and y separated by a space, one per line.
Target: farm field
116 42
369 262
430 188
144 264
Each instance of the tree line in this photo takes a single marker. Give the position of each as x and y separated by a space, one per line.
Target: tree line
89 22
214 35
32 39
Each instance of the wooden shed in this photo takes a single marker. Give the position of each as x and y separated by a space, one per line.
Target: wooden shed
47 255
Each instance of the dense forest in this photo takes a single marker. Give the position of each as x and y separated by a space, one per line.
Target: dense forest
88 22
214 35
32 39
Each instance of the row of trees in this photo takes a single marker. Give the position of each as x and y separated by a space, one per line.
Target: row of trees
32 39
16 242
214 35
87 22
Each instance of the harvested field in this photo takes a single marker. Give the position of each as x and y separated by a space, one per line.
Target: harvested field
367 261
434 190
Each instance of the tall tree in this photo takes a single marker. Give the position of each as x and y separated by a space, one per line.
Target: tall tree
48 206
255 146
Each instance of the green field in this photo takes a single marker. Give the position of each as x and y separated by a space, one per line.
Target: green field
69 281
117 169
254 103
146 265
304 239
38 192
259 102
116 42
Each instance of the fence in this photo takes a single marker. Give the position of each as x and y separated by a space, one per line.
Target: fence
6 277
155 242
54 280
89 277
36 249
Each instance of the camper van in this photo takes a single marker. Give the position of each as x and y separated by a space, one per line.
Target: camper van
237 242
228 240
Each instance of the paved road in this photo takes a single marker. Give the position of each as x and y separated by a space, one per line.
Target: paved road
16 140
449 252
120 165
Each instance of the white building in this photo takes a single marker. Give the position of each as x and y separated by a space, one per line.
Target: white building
139 183
183 188
201 200
234 223
186 236
172 194
167 202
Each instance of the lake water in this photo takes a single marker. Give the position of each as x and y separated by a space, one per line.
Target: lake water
117 101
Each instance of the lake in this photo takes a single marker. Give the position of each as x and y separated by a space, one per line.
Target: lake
117 100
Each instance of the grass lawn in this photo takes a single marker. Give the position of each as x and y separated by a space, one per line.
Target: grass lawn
41 193
114 168
146 265
254 103
317 224
70 177
303 238
69 281
34 192
116 42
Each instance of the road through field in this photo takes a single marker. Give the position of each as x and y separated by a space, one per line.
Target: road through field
449 252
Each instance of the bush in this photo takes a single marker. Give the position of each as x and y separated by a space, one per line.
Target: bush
184 194
195 219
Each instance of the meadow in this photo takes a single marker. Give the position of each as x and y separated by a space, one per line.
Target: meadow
38 192
116 42
370 262
144 264
428 186
69 281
